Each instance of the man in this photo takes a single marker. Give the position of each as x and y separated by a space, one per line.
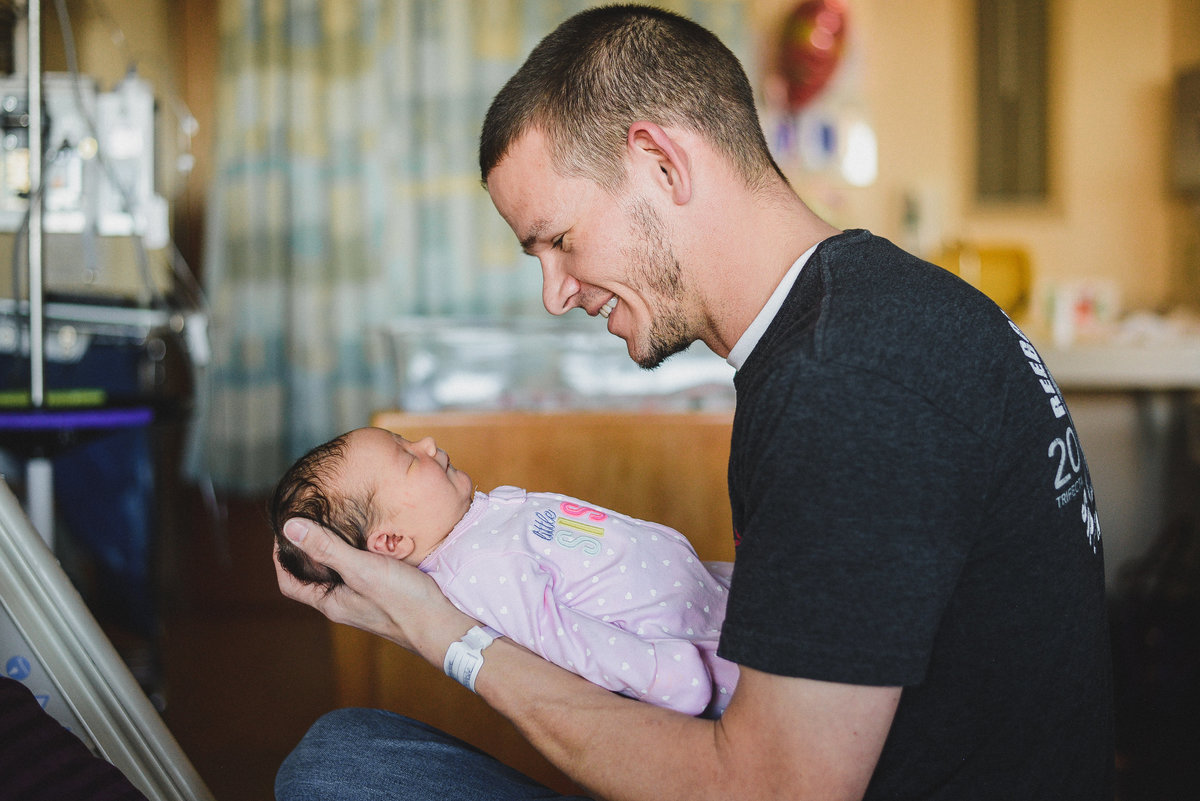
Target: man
918 601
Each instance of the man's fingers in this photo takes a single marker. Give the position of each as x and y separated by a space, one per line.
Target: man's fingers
296 529
375 586
318 543
293 588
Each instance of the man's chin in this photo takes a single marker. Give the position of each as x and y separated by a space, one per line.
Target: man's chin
654 355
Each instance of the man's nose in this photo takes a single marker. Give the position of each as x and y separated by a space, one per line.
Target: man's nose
560 290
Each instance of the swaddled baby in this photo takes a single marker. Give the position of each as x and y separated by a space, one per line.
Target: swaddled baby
625 603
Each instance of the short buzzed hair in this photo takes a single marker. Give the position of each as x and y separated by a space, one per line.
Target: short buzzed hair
606 68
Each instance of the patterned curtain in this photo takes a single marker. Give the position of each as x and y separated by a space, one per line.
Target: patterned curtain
345 193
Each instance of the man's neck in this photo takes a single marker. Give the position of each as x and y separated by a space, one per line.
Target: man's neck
747 268
749 339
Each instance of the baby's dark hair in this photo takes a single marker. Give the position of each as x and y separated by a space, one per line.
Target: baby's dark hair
305 491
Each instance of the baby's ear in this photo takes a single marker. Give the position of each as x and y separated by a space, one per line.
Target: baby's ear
390 544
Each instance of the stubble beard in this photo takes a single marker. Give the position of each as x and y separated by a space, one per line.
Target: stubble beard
658 273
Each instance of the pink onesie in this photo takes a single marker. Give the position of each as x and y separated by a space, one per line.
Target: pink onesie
625 603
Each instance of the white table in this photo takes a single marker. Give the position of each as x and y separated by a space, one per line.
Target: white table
1135 409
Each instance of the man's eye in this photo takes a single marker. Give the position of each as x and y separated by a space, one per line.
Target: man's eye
557 243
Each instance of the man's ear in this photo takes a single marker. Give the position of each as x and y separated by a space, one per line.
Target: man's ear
648 144
391 544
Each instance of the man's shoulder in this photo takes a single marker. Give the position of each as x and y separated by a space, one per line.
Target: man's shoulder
866 303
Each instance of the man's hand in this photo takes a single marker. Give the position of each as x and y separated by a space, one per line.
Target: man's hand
383 596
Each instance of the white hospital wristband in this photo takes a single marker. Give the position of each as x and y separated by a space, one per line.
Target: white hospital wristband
465 657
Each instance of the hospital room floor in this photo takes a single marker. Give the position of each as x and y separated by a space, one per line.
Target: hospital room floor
244 670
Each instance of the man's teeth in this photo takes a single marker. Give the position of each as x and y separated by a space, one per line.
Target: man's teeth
607 308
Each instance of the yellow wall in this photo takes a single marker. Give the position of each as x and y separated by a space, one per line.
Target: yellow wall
1110 215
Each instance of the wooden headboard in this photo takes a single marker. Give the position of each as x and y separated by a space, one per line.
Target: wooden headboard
666 467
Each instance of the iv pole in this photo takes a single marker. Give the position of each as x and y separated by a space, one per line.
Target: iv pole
39 477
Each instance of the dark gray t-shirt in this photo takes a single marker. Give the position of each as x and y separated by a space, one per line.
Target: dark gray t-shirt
912 508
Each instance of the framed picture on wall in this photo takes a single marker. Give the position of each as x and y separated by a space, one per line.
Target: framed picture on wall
1012 139
1185 132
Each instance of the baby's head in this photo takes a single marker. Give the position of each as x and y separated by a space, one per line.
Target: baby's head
307 490
375 490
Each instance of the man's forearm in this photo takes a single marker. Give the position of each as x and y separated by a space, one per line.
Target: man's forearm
780 738
616 747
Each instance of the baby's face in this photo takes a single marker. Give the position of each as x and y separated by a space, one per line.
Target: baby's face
412 485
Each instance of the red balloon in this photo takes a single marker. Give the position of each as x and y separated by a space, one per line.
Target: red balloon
811 43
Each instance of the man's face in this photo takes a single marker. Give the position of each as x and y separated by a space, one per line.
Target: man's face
609 254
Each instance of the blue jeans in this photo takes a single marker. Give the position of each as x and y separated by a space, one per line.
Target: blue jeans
370 755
